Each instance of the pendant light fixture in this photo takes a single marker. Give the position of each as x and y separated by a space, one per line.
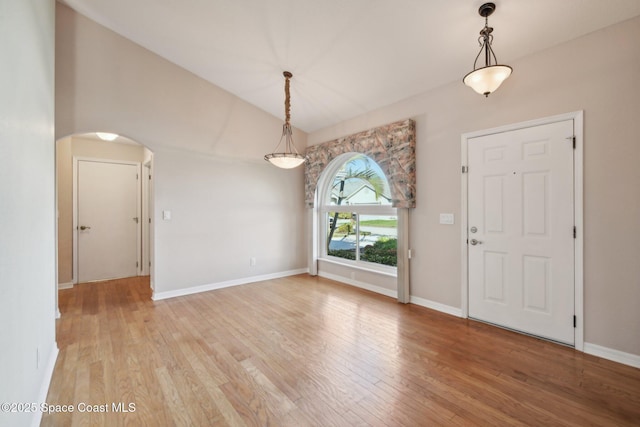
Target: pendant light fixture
487 79
290 158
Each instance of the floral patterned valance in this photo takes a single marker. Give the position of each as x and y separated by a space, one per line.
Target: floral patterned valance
392 146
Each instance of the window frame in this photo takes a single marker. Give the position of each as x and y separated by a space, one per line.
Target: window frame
323 195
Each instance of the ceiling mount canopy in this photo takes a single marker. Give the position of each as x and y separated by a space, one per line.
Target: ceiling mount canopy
290 158
487 79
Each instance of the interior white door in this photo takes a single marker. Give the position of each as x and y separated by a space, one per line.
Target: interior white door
107 220
521 230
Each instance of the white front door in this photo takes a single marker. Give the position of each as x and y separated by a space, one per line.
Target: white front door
107 220
521 230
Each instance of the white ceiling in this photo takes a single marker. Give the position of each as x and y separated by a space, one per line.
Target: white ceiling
347 57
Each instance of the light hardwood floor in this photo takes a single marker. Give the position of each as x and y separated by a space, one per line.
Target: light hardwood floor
306 351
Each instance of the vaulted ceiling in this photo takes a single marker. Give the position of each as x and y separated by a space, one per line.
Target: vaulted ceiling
347 57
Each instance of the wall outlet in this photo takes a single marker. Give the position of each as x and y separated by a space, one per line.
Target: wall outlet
252 261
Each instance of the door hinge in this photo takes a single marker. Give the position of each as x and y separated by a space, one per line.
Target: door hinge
149 177
137 264
575 321
137 176
573 140
465 169
575 232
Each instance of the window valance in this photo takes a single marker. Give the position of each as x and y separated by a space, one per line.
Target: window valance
391 146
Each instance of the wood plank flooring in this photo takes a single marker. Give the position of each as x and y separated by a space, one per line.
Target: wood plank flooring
306 351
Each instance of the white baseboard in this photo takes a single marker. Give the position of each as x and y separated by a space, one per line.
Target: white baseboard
67 285
613 355
44 387
394 294
454 311
358 284
157 296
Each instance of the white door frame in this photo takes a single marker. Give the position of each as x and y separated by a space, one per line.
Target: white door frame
578 133
145 220
75 209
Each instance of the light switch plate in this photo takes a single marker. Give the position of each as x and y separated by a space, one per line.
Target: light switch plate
166 215
446 218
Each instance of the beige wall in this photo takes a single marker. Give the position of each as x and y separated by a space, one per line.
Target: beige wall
228 205
597 73
66 150
27 206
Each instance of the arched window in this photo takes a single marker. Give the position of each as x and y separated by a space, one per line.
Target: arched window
358 224
392 148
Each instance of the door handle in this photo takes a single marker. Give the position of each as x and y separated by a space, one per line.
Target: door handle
84 227
475 242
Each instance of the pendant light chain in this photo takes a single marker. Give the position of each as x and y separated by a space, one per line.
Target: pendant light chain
287 97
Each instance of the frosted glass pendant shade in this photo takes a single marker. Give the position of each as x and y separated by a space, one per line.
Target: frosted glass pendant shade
486 80
285 160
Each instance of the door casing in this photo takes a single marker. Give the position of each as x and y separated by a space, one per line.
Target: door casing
577 117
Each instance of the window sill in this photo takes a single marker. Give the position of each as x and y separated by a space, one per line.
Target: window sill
389 271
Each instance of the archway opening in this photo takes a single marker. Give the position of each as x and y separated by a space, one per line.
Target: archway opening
94 215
